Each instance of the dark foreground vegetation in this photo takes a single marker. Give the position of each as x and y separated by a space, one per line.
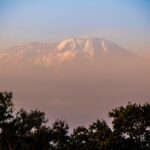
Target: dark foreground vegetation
30 130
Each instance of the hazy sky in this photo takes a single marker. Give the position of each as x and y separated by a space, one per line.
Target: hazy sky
125 22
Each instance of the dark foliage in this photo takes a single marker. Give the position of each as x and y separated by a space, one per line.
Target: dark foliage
30 130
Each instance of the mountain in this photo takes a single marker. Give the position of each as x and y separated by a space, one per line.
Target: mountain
48 54
77 79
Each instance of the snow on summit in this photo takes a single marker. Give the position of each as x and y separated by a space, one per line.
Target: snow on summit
48 54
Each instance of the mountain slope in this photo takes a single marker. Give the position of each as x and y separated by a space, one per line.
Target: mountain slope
47 54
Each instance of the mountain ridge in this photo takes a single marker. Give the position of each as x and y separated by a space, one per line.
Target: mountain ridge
47 54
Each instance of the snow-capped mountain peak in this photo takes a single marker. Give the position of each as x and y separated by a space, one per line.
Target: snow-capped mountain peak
73 48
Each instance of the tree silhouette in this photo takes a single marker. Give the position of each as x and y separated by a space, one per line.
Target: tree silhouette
100 133
6 107
16 129
80 139
29 130
133 124
59 135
